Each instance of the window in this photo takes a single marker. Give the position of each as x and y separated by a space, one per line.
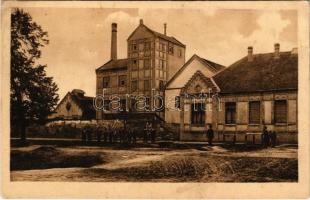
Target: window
106 82
162 47
122 80
147 45
134 86
147 64
133 104
147 103
198 114
180 53
161 85
123 103
230 112
134 64
161 64
106 104
141 46
177 103
170 49
280 111
134 47
254 112
146 85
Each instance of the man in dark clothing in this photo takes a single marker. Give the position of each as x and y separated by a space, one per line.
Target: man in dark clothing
273 138
210 135
265 137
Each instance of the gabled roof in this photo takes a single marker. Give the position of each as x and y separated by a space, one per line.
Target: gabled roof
212 66
84 102
208 81
118 64
264 73
160 35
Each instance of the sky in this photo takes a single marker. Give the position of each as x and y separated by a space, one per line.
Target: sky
80 37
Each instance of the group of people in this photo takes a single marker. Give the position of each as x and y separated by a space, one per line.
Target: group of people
114 134
109 134
269 138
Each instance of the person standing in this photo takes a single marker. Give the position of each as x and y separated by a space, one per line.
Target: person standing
265 137
210 134
273 138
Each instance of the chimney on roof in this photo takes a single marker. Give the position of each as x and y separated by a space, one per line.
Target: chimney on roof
114 42
250 54
294 51
141 21
165 28
277 50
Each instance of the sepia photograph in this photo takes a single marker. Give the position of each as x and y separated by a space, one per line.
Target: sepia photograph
122 93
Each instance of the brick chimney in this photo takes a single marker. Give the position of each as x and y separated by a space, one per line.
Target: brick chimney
141 21
165 28
114 42
277 50
250 54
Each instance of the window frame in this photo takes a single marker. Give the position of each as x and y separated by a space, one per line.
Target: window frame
135 65
134 89
275 112
104 85
144 84
147 65
198 117
259 112
232 120
119 81
177 102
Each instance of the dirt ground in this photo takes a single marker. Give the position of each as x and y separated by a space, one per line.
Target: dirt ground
208 164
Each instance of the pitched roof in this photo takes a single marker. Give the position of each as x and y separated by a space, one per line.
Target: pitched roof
264 73
213 66
85 103
114 64
160 35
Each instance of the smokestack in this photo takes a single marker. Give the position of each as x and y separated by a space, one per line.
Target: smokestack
114 42
250 54
277 50
165 28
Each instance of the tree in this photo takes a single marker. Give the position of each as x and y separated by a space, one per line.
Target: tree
33 93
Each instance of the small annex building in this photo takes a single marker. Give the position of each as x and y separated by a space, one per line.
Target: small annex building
74 106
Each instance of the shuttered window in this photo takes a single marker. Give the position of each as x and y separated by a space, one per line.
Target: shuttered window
254 112
177 102
198 114
280 111
230 112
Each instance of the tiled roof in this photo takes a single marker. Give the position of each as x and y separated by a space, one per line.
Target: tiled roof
165 37
264 73
114 64
86 104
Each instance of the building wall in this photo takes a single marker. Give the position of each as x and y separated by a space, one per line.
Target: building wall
114 89
172 115
286 132
73 113
175 61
